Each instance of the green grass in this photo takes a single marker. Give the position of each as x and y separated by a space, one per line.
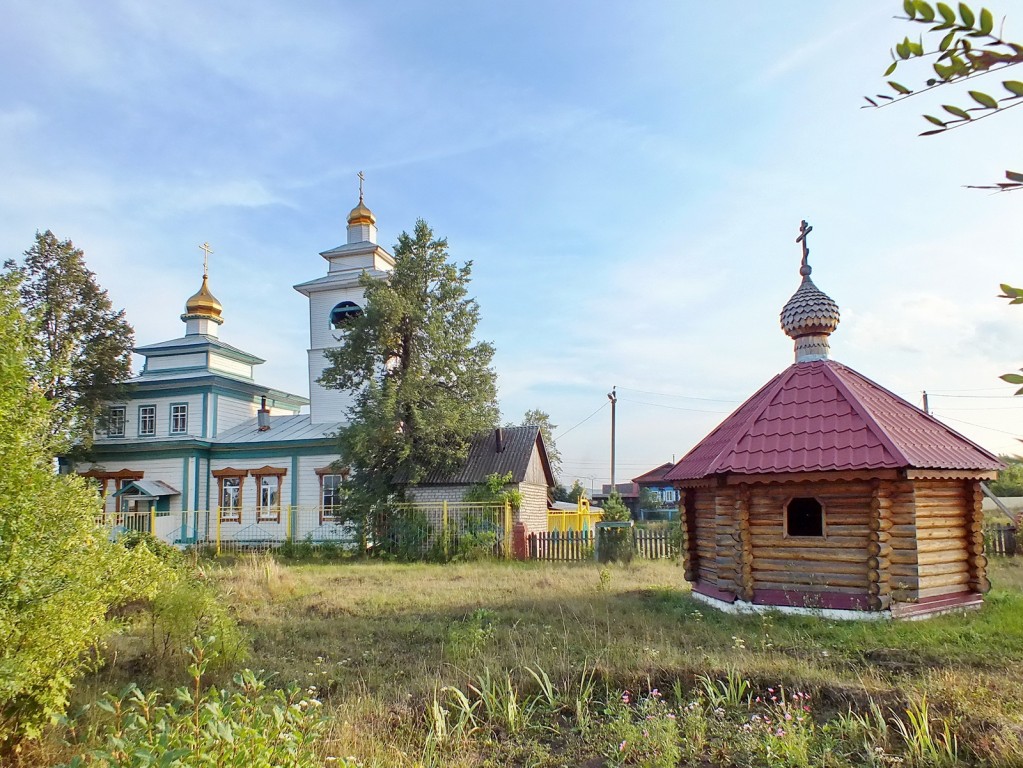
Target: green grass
387 644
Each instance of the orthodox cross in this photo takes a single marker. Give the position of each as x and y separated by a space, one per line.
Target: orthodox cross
361 179
804 230
206 251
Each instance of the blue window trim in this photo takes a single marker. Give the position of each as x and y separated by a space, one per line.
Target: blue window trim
170 421
140 432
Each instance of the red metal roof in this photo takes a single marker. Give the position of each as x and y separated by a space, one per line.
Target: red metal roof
654 476
822 416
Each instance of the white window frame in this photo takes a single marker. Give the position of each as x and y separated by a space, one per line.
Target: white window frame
122 421
179 418
150 416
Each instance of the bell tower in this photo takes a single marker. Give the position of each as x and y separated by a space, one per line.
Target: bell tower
337 297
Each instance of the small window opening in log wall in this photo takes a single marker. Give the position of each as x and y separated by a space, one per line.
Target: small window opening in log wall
804 517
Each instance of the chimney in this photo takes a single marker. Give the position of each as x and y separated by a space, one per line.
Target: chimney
263 416
499 435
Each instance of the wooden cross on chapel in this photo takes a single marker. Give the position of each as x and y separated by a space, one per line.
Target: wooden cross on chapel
804 230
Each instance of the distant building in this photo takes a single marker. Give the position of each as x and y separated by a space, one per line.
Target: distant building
826 492
659 490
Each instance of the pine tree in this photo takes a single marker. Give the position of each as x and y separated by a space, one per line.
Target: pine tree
83 346
423 386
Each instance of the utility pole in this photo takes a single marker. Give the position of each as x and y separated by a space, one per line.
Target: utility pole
613 397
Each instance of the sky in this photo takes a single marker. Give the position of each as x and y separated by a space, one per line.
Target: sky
627 180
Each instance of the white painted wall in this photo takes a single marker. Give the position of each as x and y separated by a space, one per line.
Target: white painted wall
227 365
232 411
192 360
163 410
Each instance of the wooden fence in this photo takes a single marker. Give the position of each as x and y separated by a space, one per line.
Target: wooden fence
999 540
571 546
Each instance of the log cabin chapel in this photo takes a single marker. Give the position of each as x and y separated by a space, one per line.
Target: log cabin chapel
825 492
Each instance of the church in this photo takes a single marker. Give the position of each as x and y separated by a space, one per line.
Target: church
196 432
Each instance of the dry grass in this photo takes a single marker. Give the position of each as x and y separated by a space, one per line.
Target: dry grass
379 640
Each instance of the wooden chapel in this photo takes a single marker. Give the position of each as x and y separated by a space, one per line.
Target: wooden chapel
826 492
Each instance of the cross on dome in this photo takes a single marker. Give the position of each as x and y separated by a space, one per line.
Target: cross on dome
810 316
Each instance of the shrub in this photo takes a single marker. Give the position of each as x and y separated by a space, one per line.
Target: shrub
59 572
247 727
615 544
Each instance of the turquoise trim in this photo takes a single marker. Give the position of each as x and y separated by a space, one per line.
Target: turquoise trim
184 484
271 450
294 495
138 424
220 384
216 401
170 419
205 408
197 462
163 504
177 369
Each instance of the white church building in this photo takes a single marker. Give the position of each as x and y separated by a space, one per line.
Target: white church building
195 432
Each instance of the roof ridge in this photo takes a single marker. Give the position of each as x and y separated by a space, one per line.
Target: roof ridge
875 426
777 382
932 419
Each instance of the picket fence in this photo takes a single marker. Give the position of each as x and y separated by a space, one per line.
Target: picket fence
573 546
999 540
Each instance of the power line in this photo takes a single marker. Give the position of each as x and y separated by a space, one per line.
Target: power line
683 397
672 407
602 407
981 426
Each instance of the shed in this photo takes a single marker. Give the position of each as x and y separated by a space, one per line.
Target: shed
516 450
825 491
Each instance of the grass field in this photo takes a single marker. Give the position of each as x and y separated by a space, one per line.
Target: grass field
529 664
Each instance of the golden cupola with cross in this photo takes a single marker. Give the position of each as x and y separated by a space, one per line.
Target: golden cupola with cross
203 311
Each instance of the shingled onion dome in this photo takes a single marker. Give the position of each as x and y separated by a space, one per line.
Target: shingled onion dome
204 304
810 316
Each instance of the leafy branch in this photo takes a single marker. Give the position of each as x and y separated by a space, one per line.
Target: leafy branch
968 48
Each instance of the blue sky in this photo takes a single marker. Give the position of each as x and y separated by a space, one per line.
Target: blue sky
628 181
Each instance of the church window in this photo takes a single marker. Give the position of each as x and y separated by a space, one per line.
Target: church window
343 313
804 517
147 420
115 421
332 493
179 419
229 492
269 505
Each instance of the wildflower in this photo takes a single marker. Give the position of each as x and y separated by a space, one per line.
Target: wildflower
671 715
719 711
625 699
621 747
770 690
655 694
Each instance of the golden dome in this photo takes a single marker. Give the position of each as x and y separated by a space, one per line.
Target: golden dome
204 303
361 215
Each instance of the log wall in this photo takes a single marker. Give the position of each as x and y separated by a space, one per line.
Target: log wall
836 562
704 545
944 527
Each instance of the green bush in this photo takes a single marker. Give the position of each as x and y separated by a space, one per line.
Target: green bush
59 572
247 727
615 544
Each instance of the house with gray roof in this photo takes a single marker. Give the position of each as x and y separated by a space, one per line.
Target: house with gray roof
518 451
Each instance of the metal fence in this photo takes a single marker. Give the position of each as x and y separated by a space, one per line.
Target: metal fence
442 530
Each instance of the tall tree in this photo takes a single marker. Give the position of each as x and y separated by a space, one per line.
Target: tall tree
59 572
83 346
423 386
534 417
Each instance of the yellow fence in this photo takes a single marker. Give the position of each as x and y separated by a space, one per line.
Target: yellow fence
581 519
